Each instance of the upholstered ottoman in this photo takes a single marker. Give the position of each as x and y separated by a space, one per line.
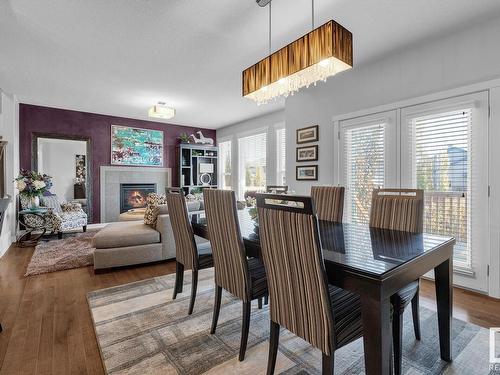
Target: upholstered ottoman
126 243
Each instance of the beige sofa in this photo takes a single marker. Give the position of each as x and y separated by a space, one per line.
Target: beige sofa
133 242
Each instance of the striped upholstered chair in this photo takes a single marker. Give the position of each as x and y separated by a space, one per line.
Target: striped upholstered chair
329 202
243 278
403 210
300 298
189 254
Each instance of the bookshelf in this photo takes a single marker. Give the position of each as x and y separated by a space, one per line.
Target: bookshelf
194 162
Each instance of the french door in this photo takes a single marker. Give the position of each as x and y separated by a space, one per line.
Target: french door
367 160
445 152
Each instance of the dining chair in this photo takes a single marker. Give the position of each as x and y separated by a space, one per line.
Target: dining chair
189 254
277 189
329 202
401 210
300 298
243 278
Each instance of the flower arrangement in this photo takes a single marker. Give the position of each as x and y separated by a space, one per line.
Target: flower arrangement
32 184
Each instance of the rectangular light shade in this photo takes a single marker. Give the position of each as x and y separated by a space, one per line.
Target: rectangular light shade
322 53
160 111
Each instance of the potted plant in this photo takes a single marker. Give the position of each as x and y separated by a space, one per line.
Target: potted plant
32 184
184 138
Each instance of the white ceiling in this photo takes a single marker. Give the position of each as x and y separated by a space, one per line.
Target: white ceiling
119 57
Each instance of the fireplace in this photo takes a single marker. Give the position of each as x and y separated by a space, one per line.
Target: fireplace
134 195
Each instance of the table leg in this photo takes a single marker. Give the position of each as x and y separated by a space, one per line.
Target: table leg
444 295
377 339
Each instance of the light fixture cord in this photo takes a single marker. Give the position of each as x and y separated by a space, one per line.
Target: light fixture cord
312 12
270 25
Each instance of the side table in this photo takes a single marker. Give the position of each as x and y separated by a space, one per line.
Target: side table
28 238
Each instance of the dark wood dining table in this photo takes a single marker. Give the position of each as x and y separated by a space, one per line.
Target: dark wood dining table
375 264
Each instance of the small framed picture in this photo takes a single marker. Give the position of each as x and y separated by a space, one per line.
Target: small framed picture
309 134
306 173
307 153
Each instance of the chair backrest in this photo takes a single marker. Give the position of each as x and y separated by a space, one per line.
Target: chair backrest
329 202
397 209
185 246
296 277
231 267
276 189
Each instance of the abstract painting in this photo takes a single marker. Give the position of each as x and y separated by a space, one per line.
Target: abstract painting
135 146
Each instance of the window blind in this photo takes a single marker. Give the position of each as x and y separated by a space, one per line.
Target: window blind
281 156
225 164
364 168
252 160
441 165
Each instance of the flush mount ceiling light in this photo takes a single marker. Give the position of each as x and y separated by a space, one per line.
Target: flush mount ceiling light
161 111
322 53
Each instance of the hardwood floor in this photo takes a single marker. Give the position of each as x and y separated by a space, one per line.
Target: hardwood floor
47 324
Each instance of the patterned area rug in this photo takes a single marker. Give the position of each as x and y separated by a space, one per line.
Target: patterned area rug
140 330
65 254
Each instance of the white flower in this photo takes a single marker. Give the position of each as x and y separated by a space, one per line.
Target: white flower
21 185
38 184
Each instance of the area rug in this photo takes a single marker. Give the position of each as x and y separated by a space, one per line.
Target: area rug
58 255
141 330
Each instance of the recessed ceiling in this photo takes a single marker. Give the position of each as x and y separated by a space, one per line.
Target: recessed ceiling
120 57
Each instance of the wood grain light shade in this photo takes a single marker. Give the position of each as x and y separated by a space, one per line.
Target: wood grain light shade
330 40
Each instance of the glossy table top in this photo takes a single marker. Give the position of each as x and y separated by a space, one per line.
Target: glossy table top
359 248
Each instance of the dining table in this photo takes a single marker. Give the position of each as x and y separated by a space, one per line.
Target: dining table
375 264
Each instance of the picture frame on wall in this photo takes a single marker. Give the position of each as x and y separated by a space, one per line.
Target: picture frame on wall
136 146
306 173
307 135
307 153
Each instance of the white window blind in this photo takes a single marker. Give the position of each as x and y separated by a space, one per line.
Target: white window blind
225 165
441 165
252 163
281 156
364 168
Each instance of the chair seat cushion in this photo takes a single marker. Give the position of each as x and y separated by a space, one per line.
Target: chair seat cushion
258 278
124 234
405 295
346 307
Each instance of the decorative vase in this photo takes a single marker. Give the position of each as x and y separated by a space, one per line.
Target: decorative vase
34 202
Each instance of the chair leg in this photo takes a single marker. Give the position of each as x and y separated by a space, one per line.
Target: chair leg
1 327
328 364
244 329
274 338
84 228
59 235
194 285
179 278
266 299
215 318
259 303
416 315
397 337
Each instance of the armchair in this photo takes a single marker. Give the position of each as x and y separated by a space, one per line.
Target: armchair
61 217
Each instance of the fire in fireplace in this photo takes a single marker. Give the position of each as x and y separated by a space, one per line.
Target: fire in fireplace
134 195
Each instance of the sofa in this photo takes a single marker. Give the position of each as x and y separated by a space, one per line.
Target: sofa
134 242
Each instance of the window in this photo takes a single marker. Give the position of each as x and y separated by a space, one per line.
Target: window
281 156
252 163
367 161
225 165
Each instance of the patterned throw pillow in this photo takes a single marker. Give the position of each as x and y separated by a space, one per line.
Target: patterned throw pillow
153 201
51 201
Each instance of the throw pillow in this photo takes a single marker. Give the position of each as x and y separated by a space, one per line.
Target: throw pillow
153 201
51 201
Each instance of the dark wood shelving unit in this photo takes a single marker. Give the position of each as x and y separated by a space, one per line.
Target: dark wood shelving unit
190 158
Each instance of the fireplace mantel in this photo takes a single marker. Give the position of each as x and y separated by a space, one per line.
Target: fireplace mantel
112 176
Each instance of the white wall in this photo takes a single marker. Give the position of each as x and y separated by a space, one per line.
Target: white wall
235 131
56 157
456 60
9 130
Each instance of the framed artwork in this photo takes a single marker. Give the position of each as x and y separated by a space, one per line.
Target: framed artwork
306 173
307 153
80 168
309 134
136 146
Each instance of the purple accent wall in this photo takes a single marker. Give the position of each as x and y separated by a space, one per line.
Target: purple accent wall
36 119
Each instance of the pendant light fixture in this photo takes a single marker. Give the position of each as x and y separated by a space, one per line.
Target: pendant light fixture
322 53
161 110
